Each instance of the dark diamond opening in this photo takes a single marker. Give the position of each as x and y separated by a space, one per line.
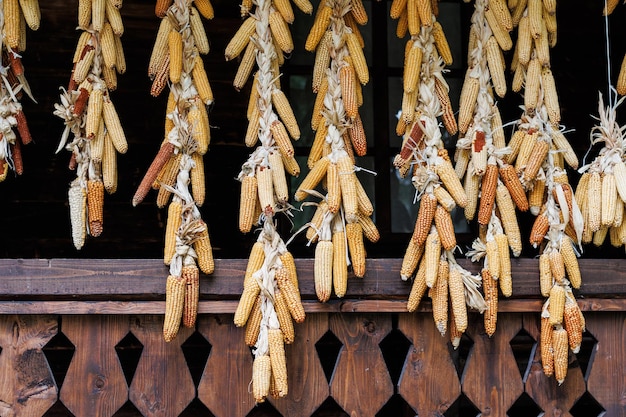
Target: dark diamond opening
264 409
396 406
395 347
58 410
460 354
585 356
128 410
524 406
329 408
196 409
129 352
328 348
587 406
59 352
196 350
523 346
462 407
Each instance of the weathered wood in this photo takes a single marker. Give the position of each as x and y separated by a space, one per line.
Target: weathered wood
228 371
308 387
229 306
361 384
607 381
128 279
492 381
162 385
429 382
94 385
27 387
554 399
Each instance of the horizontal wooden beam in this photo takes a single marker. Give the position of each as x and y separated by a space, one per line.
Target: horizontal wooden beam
311 307
144 280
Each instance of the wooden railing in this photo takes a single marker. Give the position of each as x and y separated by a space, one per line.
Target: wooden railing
84 338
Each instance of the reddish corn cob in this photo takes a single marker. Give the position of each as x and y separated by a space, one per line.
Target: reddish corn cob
164 154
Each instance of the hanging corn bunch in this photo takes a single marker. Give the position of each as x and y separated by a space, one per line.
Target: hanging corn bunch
539 151
270 300
492 186
14 132
343 217
430 250
178 165
90 116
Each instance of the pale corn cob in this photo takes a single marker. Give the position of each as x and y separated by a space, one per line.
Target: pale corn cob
98 13
618 217
448 177
94 113
619 172
284 317
467 102
285 112
479 153
174 219
545 274
96 145
535 160
462 160
524 41
472 186
425 217
354 235
347 181
322 20
500 33
418 289
160 48
561 352
12 16
31 12
290 293
107 43
621 79
265 188
281 137
444 198
95 203
110 78
198 32
313 178
594 189
252 133
539 229
542 50
334 189
191 277
278 361
547 350
445 228
253 325
535 17
432 252
289 263
557 267
533 81
84 13
175 48
411 259
113 125
550 98
261 376
556 304
84 65
323 270
241 38
599 236
322 60
493 259
506 284
109 165
496 67
174 301
456 290
502 12
488 188
316 221
439 296
77 198
609 199
246 302
247 203
490 288
115 19
513 184
340 265
515 144
497 131
202 246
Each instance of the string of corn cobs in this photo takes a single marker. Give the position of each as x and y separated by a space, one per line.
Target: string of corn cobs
270 301
90 116
539 151
343 216
492 186
14 132
178 165
430 250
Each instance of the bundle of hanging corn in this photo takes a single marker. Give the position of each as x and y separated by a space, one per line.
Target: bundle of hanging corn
90 116
343 216
176 61
539 150
438 187
270 298
492 186
14 132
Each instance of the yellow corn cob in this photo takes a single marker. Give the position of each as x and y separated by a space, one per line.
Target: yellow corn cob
197 179
358 58
516 190
472 186
94 113
198 32
358 11
323 270
539 229
356 132
284 317
313 178
493 259
500 33
536 196
561 351
397 8
609 199
253 325
160 48
506 284
347 181
96 145
403 24
261 376
409 100
445 228
370 231
247 203
524 41
354 235
599 236
456 289
419 287
441 43
340 265
202 247
550 97
488 189
84 14
77 198
535 17
252 133
278 361
322 60
265 188
425 217
347 82
557 304
280 32
279 180
191 277
245 66
113 125
535 160
334 188
542 47
246 302
594 189
304 5
448 177
411 259
573 325
95 203
285 10
201 81
557 267
174 220
205 8
533 81
289 263
413 18
449 120
240 39
547 351
109 165
281 137
467 102
316 221
496 67
412 68
284 110
621 79
515 144
168 177
175 47
444 198
439 296
317 120
110 78
432 252
174 301
545 274
490 288
290 294
322 20
565 148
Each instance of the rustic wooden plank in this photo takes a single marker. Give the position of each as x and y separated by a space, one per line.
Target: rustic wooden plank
95 383
228 371
308 387
361 384
27 387
429 382
162 385
607 381
554 399
492 381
